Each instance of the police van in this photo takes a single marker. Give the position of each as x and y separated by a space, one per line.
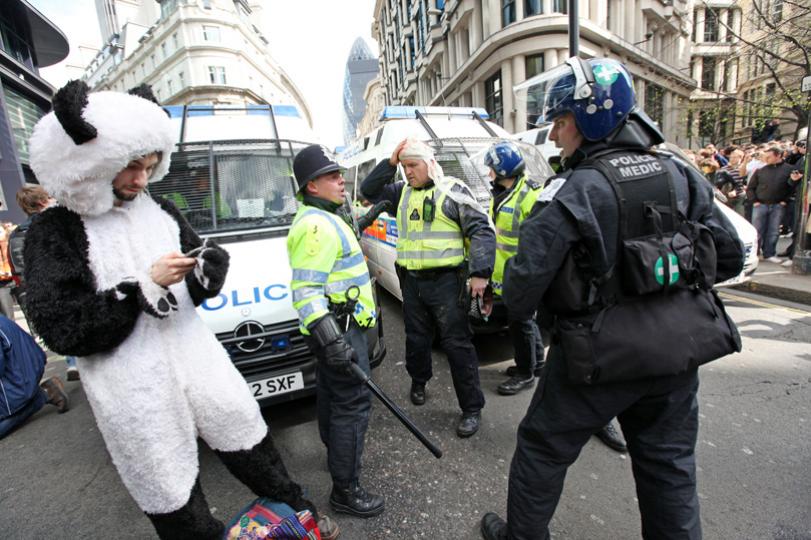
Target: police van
231 177
460 137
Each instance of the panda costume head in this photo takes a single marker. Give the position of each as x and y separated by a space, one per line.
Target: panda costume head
88 138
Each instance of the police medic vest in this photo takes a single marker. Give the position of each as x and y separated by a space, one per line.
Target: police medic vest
327 261
507 218
421 244
658 250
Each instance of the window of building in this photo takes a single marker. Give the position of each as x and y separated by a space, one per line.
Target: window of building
706 125
655 102
216 74
708 73
168 7
421 24
711 16
180 79
730 79
507 12
152 60
23 114
533 64
492 98
560 6
533 7
143 69
170 87
413 53
206 4
777 11
211 33
440 5
175 42
729 25
163 50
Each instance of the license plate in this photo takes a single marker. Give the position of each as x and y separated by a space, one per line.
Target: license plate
274 386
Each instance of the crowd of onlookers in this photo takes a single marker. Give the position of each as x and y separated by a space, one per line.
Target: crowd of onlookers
763 183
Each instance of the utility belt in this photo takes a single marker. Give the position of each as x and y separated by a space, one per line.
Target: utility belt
431 274
345 318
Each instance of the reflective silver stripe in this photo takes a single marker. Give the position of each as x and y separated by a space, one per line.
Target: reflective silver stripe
517 207
313 276
506 247
307 292
344 240
402 223
313 307
349 262
445 253
344 284
507 234
435 235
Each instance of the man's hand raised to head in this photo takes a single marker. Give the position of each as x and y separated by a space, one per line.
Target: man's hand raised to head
171 268
395 156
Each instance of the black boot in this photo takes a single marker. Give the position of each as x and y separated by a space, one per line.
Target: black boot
612 438
356 501
193 521
262 470
515 384
469 424
493 527
417 393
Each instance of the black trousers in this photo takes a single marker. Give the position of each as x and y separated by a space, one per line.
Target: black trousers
343 405
659 418
434 304
528 345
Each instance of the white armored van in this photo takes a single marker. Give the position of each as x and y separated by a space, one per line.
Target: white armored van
231 177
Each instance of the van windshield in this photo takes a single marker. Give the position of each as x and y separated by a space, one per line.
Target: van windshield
232 186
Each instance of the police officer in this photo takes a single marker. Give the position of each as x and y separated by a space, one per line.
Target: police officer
620 229
436 215
514 195
329 275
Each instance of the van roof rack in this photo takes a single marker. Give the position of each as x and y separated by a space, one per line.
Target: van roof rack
410 111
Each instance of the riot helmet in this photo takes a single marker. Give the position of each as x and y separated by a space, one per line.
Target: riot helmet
505 159
312 162
599 93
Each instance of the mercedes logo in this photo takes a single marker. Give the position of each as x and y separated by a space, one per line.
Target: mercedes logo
246 331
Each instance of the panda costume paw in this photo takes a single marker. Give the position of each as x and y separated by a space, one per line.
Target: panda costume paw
212 265
154 299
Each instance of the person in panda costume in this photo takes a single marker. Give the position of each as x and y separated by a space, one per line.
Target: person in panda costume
108 282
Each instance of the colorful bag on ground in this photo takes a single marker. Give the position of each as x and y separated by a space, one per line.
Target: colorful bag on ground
265 519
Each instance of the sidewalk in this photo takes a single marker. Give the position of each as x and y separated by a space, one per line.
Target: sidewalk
778 282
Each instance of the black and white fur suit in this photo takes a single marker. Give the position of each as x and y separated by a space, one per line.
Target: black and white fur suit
154 374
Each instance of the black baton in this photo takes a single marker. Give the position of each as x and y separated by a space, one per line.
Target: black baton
397 411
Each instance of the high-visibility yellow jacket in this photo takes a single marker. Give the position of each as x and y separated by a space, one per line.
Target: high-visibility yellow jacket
326 260
507 217
425 245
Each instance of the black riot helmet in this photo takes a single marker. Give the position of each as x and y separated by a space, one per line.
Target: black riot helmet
312 162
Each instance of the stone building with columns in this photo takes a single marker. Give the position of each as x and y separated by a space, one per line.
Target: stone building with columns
472 52
191 52
714 66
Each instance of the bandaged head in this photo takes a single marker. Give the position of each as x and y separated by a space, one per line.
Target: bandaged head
78 148
414 149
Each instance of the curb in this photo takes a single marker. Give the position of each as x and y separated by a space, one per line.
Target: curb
775 291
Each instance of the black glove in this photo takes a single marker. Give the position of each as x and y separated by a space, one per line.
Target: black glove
212 266
337 352
368 218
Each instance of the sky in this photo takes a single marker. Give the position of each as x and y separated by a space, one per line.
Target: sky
310 39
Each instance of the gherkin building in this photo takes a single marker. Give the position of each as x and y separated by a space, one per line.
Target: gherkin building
361 67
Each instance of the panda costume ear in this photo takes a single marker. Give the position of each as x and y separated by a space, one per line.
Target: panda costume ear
68 104
144 91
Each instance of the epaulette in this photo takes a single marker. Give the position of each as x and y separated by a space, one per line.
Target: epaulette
533 184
